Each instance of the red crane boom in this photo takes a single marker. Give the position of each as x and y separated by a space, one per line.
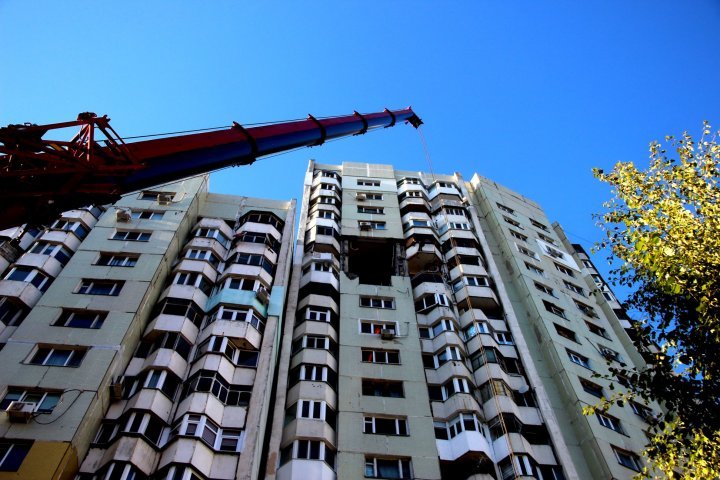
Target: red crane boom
40 178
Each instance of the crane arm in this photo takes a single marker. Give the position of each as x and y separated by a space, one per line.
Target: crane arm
40 178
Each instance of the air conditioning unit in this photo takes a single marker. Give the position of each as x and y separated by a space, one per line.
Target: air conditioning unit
116 391
387 334
365 226
165 199
360 197
123 215
20 412
262 295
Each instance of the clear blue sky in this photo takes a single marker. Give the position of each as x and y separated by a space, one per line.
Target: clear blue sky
530 94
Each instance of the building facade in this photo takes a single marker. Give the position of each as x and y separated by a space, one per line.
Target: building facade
140 341
443 329
423 326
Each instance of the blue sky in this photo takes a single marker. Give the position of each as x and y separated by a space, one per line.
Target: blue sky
530 94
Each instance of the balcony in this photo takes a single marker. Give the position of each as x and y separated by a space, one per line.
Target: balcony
422 256
136 450
305 469
308 428
467 445
203 243
168 359
308 390
477 297
173 323
244 270
26 292
244 335
259 228
61 236
186 292
446 371
44 263
460 402
153 400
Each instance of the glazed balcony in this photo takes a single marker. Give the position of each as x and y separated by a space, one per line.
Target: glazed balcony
305 469
477 297
243 333
204 243
66 238
308 390
152 400
458 403
414 204
172 323
468 444
26 292
308 428
446 371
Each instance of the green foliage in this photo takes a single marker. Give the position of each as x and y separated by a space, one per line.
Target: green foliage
663 225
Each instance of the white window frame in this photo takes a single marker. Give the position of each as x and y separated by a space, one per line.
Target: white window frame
381 302
376 327
401 426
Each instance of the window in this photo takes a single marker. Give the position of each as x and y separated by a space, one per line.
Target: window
117 260
239 283
12 454
475 328
44 401
431 301
73 226
263 217
213 233
552 308
526 251
12 312
368 183
200 426
213 382
512 222
311 372
518 235
377 302
523 467
641 410
205 255
608 421
544 289
56 250
380 356
385 426
193 279
363 225
547 239
566 333
581 360
131 236
382 388
627 458
241 258
504 338
564 270
169 340
29 275
308 450
610 354
233 314
534 269
317 342
387 468
314 409
592 388
470 281
597 330
58 357
100 287
375 327
317 314
586 309
146 214
80 319
505 209
371 210
539 225
574 288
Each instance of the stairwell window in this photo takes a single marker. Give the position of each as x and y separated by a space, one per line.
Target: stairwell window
368 183
574 288
597 330
545 289
382 388
518 235
371 210
566 333
505 209
131 236
526 251
512 222
146 215
100 287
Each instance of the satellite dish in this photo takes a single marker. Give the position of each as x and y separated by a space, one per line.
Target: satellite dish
523 389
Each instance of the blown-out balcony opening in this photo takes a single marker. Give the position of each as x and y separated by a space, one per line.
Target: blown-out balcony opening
372 261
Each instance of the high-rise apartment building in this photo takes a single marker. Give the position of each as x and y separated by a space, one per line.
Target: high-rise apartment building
140 341
443 329
425 327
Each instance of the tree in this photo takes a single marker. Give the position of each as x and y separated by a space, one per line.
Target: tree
663 227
